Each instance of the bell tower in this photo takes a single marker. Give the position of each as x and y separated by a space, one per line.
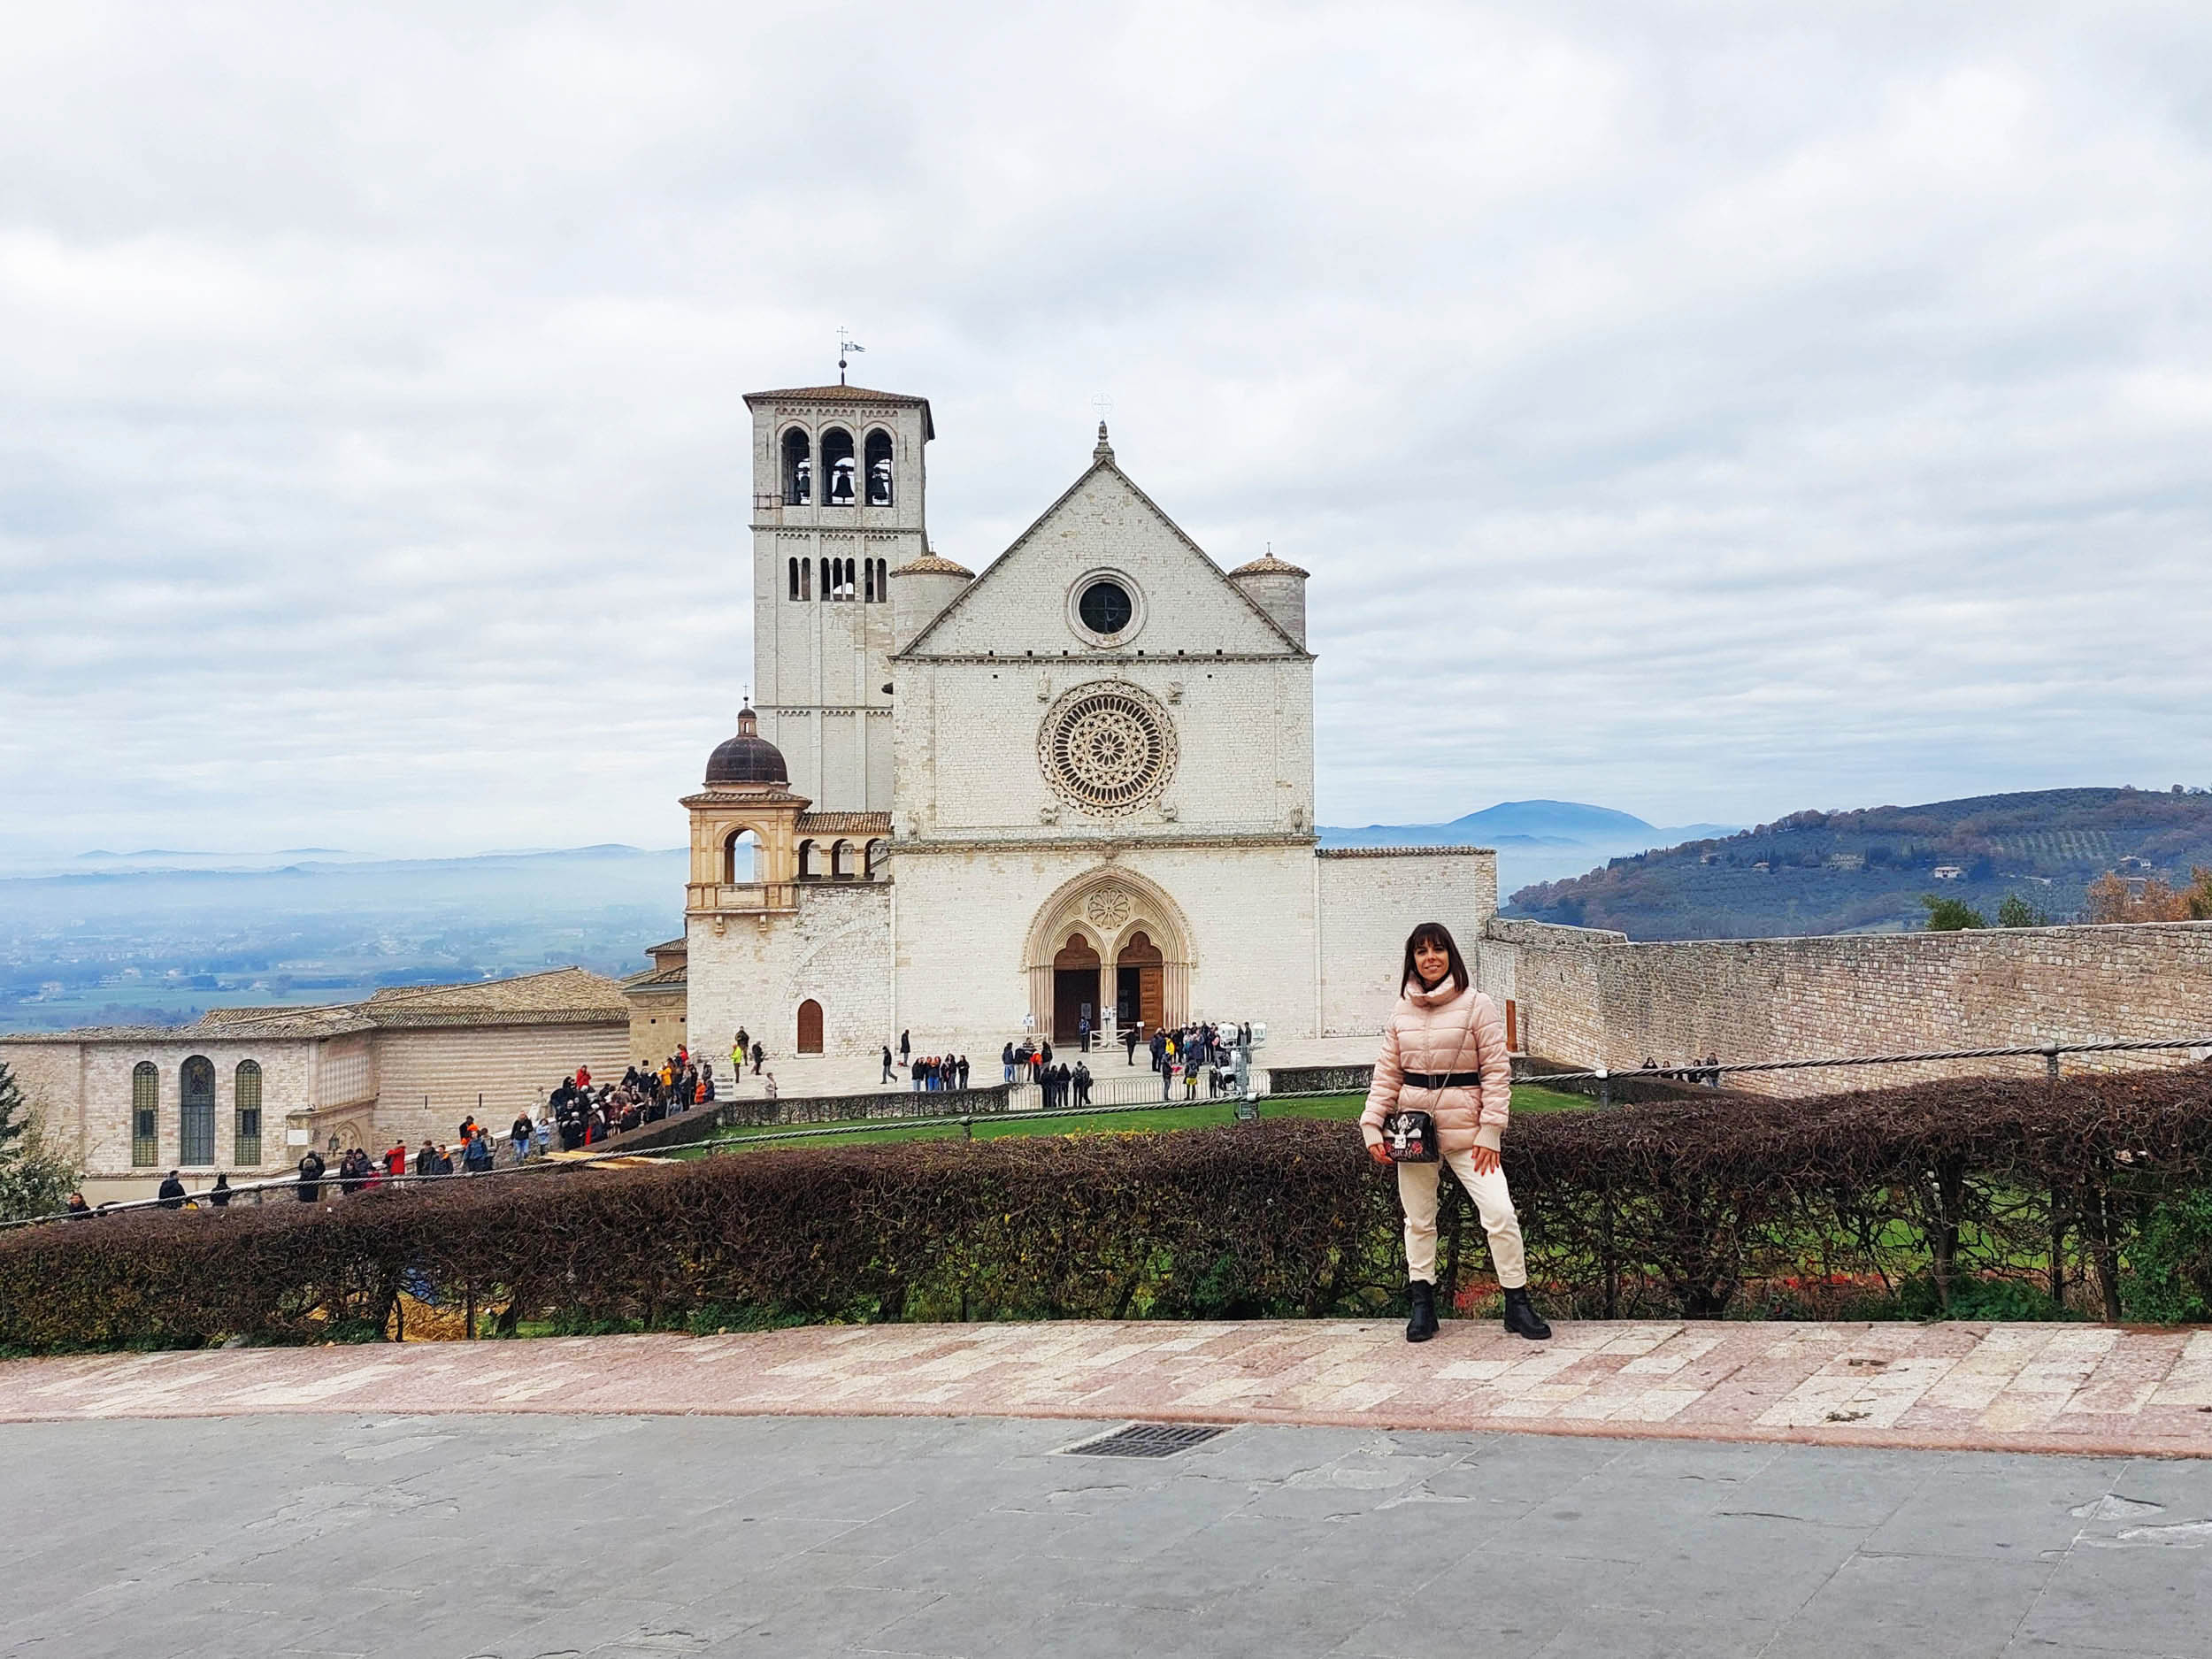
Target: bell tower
838 492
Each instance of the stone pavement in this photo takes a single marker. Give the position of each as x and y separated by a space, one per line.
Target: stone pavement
2087 1389
461 1537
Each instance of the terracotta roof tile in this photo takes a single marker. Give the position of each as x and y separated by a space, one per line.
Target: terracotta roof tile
845 823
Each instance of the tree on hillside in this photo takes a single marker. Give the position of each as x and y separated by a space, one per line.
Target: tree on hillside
2111 899
1951 916
2017 912
34 1179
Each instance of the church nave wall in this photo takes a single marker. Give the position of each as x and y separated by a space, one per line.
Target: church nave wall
1370 901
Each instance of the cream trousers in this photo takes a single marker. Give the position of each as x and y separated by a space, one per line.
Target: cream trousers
1417 1194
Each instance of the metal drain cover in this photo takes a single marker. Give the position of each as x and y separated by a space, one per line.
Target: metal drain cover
1147 1440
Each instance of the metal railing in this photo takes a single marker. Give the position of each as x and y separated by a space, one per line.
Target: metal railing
1709 1074
288 1187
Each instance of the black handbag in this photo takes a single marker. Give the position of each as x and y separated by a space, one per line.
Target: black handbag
1410 1137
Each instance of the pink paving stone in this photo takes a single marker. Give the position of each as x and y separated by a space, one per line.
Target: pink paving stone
2055 1387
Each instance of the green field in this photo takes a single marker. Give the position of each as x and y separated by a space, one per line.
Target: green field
1138 1120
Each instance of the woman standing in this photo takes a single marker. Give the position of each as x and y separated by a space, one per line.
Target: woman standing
1444 1053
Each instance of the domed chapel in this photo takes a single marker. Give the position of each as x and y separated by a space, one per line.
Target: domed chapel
1076 786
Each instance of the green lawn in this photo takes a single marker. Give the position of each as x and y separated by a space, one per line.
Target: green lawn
1147 1120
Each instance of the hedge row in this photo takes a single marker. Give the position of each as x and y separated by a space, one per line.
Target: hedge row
1699 1208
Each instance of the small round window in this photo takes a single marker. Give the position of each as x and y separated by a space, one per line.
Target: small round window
1105 607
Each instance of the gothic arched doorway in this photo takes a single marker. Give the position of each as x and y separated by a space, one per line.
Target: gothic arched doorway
1121 929
809 1026
1075 997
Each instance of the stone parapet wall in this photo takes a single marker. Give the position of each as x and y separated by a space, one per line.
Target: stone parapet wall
1589 998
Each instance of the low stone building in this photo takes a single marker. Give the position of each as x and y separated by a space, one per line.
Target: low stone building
248 1090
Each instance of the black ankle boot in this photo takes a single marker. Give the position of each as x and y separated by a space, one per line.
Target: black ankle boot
1422 1326
1522 1318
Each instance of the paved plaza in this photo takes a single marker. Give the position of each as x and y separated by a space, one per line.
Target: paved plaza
2087 1389
624 1537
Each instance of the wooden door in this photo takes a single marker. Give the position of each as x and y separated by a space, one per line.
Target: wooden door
809 1026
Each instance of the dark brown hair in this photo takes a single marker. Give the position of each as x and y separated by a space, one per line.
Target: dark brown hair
1438 937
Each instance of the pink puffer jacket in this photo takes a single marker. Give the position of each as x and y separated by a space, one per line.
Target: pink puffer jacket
1439 1032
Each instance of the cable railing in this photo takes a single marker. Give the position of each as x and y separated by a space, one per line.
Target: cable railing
1246 1107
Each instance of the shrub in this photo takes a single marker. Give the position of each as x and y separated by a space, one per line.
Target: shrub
1941 1196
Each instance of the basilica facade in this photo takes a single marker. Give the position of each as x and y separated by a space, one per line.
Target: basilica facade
1077 786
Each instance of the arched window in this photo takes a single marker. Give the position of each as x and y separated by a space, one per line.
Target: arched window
145 1114
809 1026
806 579
840 861
807 871
872 858
798 469
878 458
837 468
829 579
883 581
794 578
196 1117
245 1145
868 578
740 857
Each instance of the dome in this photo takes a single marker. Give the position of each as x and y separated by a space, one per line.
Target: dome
746 758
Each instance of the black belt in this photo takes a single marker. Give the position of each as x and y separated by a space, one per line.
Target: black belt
1443 1080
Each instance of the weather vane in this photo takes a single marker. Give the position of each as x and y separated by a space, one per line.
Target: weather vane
845 344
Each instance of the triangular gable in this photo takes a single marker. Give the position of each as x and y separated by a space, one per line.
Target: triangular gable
1255 630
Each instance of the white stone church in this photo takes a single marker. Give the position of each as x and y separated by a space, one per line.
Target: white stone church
1077 785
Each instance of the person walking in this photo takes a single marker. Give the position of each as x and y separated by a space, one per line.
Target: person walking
1444 1054
906 1047
886 1063
760 1055
172 1192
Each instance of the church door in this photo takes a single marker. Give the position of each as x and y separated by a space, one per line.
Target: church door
809 1026
1142 985
1074 989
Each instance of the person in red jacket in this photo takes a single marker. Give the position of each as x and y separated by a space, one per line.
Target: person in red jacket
1444 1053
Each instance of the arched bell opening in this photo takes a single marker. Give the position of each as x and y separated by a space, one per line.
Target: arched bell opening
878 455
839 473
798 469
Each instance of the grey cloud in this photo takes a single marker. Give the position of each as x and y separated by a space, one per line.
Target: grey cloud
1705 411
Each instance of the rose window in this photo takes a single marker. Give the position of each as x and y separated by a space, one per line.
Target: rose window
1108 908
1107 750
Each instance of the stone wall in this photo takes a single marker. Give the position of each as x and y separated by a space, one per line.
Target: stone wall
82 1092
511 1067
1370 899
835 951
1588 998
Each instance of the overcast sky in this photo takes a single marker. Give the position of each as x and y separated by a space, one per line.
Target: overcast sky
1709 411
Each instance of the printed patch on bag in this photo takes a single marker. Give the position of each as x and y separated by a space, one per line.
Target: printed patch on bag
1410 1137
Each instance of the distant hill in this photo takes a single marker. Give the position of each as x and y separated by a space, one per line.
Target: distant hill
1865 871
1536 840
